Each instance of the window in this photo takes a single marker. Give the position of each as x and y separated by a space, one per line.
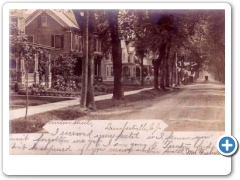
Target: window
44 21
109 71
112 71
97 45
80 44
30 39
76 42
123 56
58 41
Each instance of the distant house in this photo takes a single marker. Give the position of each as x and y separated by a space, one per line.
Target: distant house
131 69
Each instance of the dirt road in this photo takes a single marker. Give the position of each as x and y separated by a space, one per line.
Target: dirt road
196 107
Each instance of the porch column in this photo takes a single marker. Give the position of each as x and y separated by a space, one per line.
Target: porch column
36 73
21 74
49 72
17 65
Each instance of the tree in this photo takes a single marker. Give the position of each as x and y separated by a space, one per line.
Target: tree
105 23
20 48
132 27
178 35
87 91
162 29
216 43
116 53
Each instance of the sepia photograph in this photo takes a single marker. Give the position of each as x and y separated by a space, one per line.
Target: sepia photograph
116 81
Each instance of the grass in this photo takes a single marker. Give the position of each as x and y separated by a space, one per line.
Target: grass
36 122
17 102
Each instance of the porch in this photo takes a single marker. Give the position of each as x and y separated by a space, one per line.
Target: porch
37 71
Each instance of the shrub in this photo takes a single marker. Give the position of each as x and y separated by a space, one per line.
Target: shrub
18 86
62 84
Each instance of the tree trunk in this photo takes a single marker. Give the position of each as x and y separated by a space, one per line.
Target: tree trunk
156 65
27 101
142 71
90 91
90 103
177 73
162 73
162 53
170 75
85 67
173 72
167 67
116 54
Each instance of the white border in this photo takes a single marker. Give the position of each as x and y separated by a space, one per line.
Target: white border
115 165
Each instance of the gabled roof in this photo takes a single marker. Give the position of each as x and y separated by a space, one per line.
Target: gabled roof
63 19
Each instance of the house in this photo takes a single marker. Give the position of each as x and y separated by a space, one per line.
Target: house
16 17
60 31
54 29
131 69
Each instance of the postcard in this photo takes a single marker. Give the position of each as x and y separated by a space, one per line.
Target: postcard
127 88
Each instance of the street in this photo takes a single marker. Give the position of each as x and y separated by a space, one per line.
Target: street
196 107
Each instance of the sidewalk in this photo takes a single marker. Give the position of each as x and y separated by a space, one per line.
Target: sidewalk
18 113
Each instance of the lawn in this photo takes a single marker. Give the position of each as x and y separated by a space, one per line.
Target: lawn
17 101
36 122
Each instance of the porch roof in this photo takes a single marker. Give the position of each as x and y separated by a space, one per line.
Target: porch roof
41 46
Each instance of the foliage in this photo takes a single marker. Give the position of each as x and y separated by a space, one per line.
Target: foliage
62 70
22 50
38 88
64 84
